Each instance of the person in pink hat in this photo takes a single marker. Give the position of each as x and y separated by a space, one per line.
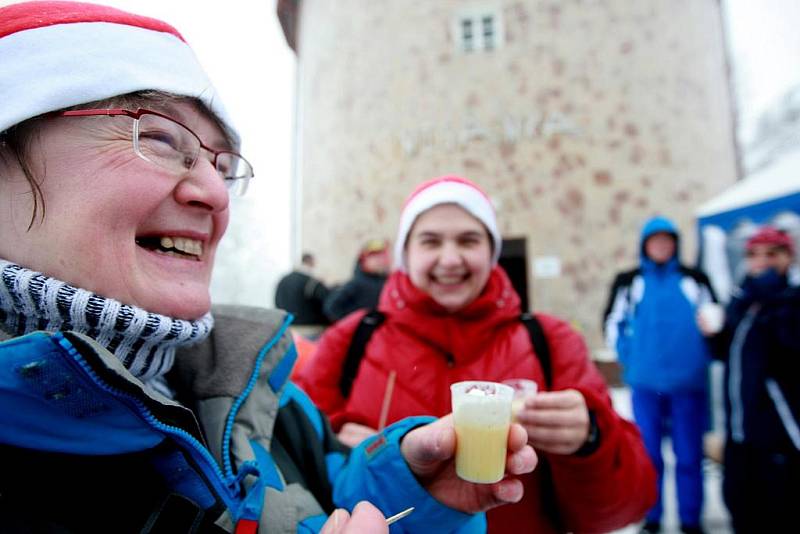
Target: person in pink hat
126 403
449 313
760 343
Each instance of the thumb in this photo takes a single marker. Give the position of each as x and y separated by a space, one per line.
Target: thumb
336 522
424 448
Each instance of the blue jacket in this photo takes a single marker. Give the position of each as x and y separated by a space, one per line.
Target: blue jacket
650 321
84 447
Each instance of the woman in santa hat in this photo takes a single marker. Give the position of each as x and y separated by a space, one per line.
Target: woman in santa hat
449 313
125 404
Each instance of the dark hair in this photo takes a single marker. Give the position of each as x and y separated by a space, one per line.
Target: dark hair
15 144
16 141
307 258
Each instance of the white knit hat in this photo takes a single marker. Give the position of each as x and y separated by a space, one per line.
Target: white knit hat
446 190
55 55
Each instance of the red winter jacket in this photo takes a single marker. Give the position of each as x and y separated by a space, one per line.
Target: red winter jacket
429 349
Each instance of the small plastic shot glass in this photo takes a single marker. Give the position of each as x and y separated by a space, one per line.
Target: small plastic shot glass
481 416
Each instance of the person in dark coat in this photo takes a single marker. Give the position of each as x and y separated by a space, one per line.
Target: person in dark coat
303 295
364 288
761 346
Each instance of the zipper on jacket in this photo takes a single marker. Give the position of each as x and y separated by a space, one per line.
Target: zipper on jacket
230 488
237 404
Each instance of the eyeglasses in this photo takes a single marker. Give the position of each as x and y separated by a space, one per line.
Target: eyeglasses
172 145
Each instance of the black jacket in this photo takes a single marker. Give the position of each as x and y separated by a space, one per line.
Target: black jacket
761 346
303 296
361 291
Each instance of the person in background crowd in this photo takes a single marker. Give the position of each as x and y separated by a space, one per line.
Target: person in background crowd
125 404
303 295
450 314
364 288
650 322
760 343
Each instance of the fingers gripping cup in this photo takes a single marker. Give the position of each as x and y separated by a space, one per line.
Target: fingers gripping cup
481 415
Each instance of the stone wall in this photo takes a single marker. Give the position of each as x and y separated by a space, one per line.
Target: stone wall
591 117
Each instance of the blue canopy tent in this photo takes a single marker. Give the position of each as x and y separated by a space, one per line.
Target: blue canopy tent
725 222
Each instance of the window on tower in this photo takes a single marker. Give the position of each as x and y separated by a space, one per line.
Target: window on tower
466 35
479 30
488 32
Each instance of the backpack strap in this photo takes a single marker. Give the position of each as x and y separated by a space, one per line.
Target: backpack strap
540 345
355 351
542 350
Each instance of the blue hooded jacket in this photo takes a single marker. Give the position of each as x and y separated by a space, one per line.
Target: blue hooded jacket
650 320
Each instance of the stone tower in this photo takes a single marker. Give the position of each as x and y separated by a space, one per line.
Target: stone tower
580 118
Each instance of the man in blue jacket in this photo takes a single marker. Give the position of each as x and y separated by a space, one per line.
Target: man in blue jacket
650 322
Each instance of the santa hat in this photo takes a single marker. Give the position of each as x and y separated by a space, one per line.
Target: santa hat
62 54
769 235
446 190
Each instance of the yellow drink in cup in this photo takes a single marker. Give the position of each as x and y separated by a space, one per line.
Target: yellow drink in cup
482 416
523 389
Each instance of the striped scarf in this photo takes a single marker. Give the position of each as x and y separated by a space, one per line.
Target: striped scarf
144 342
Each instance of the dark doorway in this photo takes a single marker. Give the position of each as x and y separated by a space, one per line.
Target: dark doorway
514 259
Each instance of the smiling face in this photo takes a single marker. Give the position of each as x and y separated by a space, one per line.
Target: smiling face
116 224
449 256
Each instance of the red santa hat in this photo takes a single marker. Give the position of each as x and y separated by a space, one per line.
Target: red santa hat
446 190
769 235
61 54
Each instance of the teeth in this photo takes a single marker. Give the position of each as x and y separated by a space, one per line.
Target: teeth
447 280
183 244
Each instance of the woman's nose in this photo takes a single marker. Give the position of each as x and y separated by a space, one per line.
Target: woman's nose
450 254
204 187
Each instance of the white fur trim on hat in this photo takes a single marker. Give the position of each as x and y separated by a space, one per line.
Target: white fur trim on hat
52 61
446 190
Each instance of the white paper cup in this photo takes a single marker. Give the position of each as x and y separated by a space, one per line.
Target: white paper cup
524 388
713 316
481 416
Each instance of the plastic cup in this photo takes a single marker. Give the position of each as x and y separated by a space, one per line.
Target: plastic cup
524 388
482 416
713 316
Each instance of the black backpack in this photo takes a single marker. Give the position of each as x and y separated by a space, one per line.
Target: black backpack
373 319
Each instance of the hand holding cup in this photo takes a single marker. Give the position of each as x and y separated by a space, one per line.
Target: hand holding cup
524 389
430 453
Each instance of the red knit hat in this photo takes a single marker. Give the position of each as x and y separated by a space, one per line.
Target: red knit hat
62 54
769 235
446 190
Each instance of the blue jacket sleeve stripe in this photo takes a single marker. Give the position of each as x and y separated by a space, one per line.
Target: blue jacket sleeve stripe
293 393
334 462
280 374
312 525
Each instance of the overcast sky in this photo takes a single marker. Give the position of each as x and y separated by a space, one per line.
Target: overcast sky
765 42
